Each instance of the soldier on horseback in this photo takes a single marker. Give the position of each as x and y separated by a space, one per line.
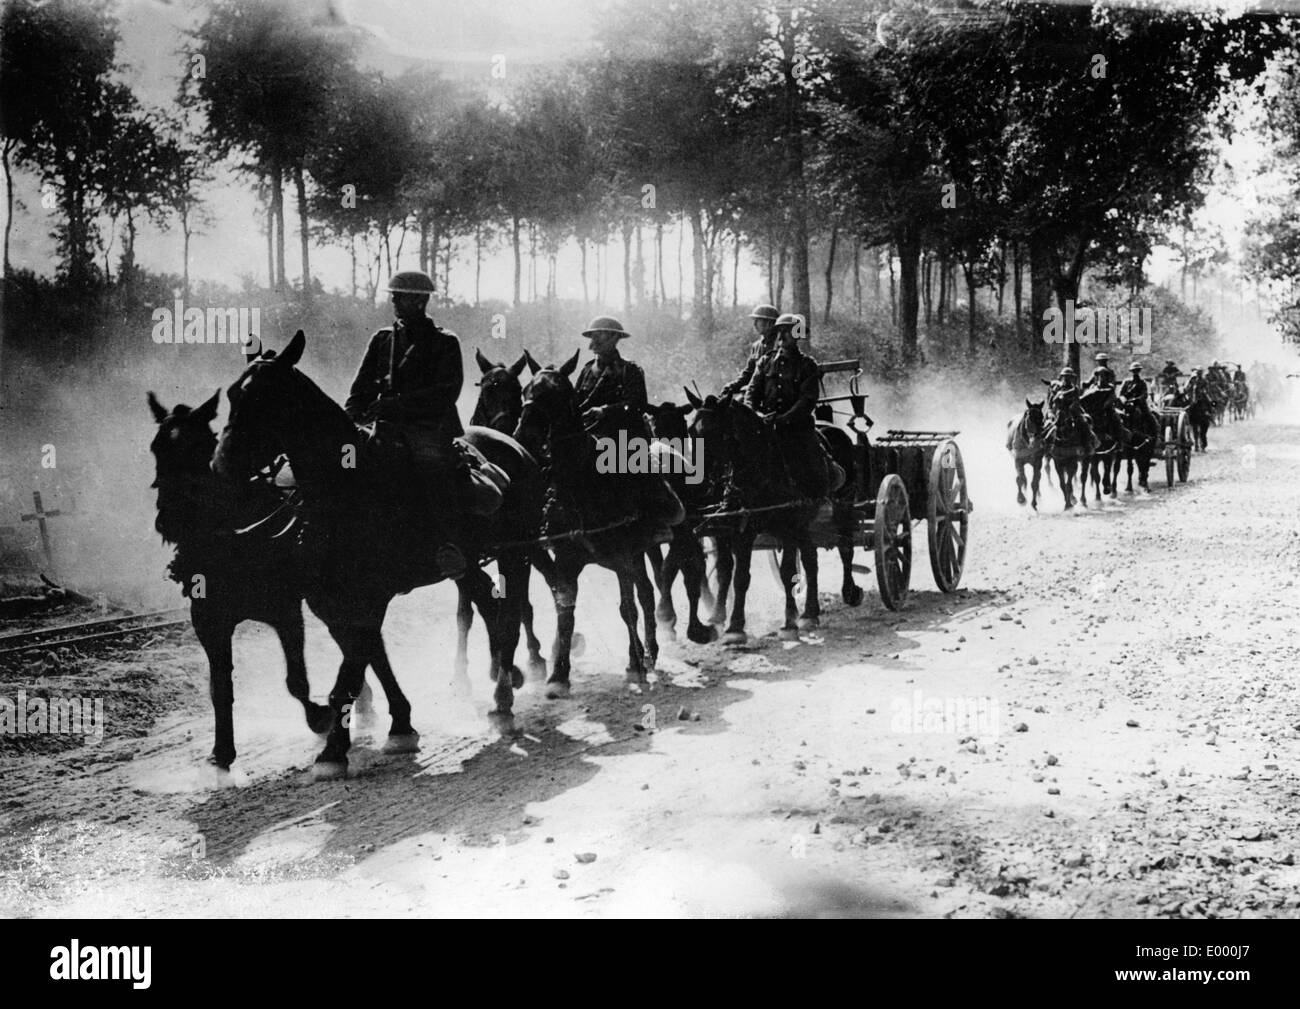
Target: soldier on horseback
784 390
612 398
1064 396
1102 377
764 317
1134 389
1168 378
409 381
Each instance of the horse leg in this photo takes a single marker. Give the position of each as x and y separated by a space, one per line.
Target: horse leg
694 575
1037 467
536 664
514 571
665 575
812 607
402 737
789 568
850 591
289 630
743 545
565 590
1020 481
353 642
215 633
635 672
645 594
726 554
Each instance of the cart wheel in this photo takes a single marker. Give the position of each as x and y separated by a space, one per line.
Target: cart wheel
892 534
1171 450
1185 442
947 516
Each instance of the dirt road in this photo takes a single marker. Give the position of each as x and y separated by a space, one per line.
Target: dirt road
1131 748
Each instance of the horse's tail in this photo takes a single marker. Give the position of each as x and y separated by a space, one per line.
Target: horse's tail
1011 433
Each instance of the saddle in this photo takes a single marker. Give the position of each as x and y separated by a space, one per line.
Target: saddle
477 483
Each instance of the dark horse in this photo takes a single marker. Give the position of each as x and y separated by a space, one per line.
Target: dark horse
235 562
735 437
1144 431
1103 463
685 554
1026 445
358 546
1200 413
500 401
591 518
1067 443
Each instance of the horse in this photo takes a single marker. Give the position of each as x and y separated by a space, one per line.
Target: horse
1103 462
551 427
1067 444
737 439
357 545
235 562
1026 445
685 554
1144 431
1200 414
500 401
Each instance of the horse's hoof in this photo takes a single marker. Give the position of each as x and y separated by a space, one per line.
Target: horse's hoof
853 595
809 623
557 691
632 686
705 634
788 634
329 770
516 677
577 644
536 667
215 763
503 723
406 742
734 638
1020 499
667 631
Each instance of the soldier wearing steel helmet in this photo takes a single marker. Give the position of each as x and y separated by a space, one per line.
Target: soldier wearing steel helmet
410 378
1102 377
764 317
784 390
610 388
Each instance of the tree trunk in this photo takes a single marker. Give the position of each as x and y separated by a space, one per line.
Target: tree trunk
941 308
830 272
639 272
1017 268
909 256
970 307
659 265
780 277
532 262
627 265
927 286
857 275
1040 286
8 145
735 274
270 240
185 257
893 297
582 247
883 252
514 238
478 262
703 301
303 230
352 252
277 203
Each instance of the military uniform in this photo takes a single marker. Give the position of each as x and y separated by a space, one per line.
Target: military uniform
1134 387
759 349
1101 377
618 383
785 385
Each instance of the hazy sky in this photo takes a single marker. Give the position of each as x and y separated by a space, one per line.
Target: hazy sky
460 37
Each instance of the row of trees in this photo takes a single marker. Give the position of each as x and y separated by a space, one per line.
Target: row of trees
980 137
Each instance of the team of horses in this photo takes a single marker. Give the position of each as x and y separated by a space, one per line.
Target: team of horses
1124 432
248 548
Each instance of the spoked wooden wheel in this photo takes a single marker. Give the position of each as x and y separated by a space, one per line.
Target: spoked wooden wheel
947 516
1170 450
892 534
1185 442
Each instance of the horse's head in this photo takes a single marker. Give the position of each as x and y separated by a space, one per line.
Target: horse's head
500 396
1033 417
668 420
253 435
184 443
550 406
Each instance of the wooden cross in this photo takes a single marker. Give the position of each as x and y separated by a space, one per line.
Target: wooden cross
39 516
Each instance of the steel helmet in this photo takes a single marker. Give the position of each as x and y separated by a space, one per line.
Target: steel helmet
764 312
410 282
1067 370
1135 367
794 323
1103 356
605 324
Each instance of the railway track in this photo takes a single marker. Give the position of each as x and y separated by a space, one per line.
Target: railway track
92 630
